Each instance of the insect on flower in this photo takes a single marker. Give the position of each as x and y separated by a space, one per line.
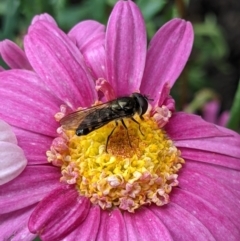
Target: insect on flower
90 119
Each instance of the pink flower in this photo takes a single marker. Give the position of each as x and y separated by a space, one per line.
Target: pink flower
66 70
211 111
12 159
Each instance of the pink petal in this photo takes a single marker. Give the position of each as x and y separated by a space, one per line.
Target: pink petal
221 196
106 89
28 188
112 226
12 158
228 146
1 69
229 132
59 213
95 61
182 224
125 48
210 157
166 57
210 111
88 229
228 177
13 225
183 126
59 64
12 161
26 103
223 118
89 37
206 212
87 32
46 17
164 95
13 56
144 225
7 134
34 145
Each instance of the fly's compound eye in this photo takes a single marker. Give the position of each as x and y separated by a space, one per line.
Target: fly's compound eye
142 102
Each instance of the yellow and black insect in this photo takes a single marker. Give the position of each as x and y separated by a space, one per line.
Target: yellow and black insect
90 119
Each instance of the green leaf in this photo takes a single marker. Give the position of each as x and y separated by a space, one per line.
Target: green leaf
67 17
10 18
151 7
37 239
234 121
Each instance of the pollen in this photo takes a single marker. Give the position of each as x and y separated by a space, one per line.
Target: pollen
137 166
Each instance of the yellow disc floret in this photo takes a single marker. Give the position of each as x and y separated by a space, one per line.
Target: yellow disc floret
137 166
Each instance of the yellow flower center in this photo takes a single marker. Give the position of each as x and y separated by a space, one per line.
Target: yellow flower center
137 166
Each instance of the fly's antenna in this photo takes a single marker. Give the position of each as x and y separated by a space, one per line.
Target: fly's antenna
148 97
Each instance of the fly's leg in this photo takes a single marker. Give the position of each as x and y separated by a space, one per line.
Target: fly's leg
111 134
127 132
138 124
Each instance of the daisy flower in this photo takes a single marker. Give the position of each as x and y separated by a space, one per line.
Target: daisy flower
170 176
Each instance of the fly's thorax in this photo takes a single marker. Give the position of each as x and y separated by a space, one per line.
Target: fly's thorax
125 103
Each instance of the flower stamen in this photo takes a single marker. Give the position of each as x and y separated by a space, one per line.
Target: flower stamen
128 175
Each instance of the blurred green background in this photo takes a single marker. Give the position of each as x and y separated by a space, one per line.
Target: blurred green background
212 72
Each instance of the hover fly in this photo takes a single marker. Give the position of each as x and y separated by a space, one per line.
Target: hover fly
90 119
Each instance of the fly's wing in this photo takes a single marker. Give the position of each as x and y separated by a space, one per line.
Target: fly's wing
101 116
95 117
73 120
112 110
